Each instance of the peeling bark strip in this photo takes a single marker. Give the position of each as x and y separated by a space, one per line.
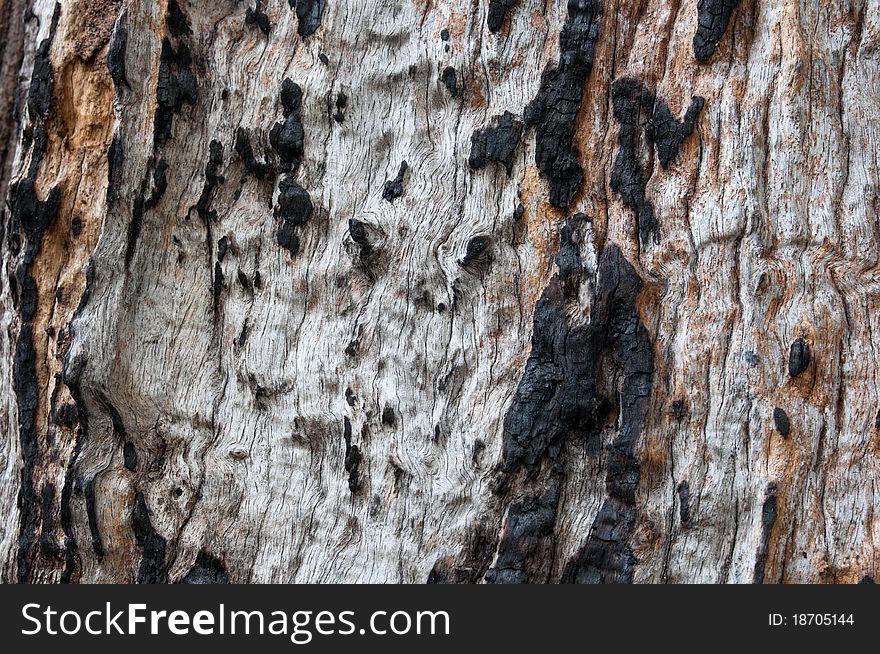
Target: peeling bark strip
713 17
553 112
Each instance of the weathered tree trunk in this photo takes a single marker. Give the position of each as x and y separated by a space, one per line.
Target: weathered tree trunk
418 290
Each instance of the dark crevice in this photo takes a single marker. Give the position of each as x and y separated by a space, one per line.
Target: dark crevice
151 543
30 219
768 521
207 569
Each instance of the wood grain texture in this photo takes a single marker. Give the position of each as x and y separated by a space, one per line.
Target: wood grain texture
242 342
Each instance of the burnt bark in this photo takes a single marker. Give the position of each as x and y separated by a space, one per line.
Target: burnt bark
307 290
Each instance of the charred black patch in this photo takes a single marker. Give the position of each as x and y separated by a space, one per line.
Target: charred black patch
48 543
42 85
157 180
633 108
244 149
553 112
222 248
134 229
287 137
295 208
207 569
670 133
129 456
152 544
70 375
449 77
71 547
115 164
781 421
713 17
768 520
497 13
684 502
798 357
30 218
393 188
360 235
341 104
256 16
92 515
607 556
160 185
558 402
496 142
477 247
353 458
66 415
245 281
388 417
528 521
176 86
308 13
217 283
176 20
116 56
213 179
76 226
557 397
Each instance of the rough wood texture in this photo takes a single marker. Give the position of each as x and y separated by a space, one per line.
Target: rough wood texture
407 291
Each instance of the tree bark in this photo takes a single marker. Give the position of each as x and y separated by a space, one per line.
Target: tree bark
409 290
